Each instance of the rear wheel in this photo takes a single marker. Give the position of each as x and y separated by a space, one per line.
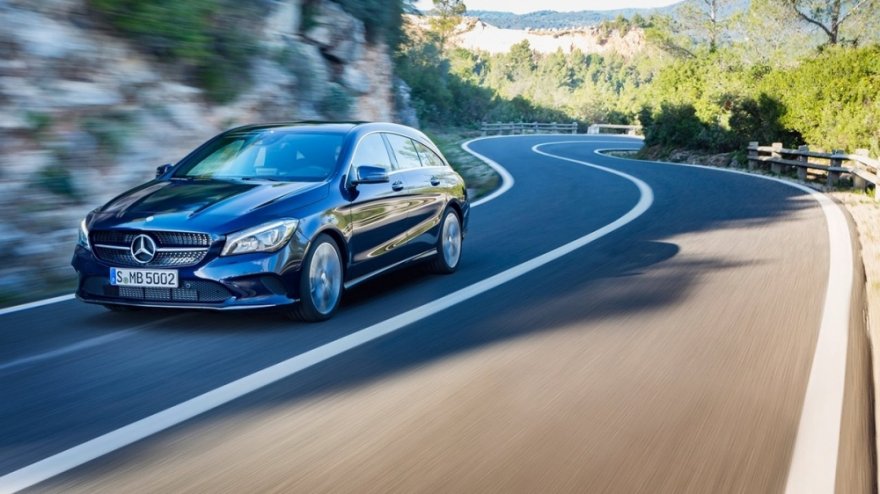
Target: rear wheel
320 285
448 245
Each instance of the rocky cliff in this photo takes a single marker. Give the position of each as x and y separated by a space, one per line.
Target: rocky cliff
85 113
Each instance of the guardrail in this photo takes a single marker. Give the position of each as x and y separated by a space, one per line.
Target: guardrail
630 130
528 127
859 166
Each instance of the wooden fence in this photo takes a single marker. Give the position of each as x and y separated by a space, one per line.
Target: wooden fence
862 169
528 128
631 130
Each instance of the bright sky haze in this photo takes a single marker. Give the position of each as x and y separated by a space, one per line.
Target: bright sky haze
525 6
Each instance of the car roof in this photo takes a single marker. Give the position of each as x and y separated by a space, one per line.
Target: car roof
306 126
359 127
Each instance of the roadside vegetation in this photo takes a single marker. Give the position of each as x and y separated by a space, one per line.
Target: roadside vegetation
480 178
712 78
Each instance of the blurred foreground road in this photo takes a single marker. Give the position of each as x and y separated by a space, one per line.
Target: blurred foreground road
671 355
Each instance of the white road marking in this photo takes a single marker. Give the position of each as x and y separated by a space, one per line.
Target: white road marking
816 449
81 345
37 303
506 178
78 455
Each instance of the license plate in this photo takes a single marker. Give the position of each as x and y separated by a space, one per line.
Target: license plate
152 278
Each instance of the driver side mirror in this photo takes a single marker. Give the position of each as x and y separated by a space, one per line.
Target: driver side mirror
369 174
162 170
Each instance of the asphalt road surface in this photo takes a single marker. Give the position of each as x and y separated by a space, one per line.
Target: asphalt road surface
639 328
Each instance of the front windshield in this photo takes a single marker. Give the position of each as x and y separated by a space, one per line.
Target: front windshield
266 154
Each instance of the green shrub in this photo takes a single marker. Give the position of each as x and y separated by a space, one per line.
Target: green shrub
38 122
57 180
672 126
110 132
761 120
337 103
382 18
833 99
209 41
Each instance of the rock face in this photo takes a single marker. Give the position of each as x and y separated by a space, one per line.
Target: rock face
84 114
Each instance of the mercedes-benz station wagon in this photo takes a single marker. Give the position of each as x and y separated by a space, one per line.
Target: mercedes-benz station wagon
277 215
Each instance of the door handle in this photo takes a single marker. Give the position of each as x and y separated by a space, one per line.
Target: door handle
435 181
398 185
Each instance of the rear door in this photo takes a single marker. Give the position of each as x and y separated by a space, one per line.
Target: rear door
431 184
379 212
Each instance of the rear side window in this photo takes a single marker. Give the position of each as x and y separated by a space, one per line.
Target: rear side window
429 158
405 151
372 151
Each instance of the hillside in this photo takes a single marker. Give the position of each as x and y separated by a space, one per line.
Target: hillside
550 19
477 35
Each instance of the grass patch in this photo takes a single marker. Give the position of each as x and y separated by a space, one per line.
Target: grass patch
479 177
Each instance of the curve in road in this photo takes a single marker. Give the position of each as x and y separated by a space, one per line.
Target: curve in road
669 340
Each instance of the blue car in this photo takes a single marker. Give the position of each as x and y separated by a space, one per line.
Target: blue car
276 215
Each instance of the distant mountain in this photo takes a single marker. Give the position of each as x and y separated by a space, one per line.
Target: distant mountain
550 19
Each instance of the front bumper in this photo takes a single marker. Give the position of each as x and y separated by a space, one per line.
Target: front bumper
249 281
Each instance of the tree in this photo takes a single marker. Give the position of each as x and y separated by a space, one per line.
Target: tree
445 16
830 15
665 33
708 19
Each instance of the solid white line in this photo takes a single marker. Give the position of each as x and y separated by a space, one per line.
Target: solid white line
78 455
82 345
37 303
506 178
814 461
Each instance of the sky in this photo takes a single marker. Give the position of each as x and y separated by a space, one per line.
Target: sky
524 6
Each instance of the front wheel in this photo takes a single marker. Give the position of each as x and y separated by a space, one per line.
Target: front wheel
320 285
448 245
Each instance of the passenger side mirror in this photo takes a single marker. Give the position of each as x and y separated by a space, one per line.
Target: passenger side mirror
162 170
369 174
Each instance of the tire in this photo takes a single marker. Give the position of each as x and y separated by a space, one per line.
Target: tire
321 282
449 242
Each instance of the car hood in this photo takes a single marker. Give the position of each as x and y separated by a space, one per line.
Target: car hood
203 204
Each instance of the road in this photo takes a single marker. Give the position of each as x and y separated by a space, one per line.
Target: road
665 344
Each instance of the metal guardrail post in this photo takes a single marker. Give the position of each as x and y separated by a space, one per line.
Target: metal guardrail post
859 182
775 167
802 170
836 162
574 127
753 155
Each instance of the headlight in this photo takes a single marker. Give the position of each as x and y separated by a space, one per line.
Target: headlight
83 239
264 238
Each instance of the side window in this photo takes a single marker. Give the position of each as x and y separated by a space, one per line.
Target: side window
372 151
404 151
429 158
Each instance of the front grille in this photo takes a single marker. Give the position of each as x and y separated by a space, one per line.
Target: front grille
189 291
163 239
182 239
175 249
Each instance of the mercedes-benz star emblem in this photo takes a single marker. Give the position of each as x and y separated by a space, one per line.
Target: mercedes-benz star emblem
143 249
